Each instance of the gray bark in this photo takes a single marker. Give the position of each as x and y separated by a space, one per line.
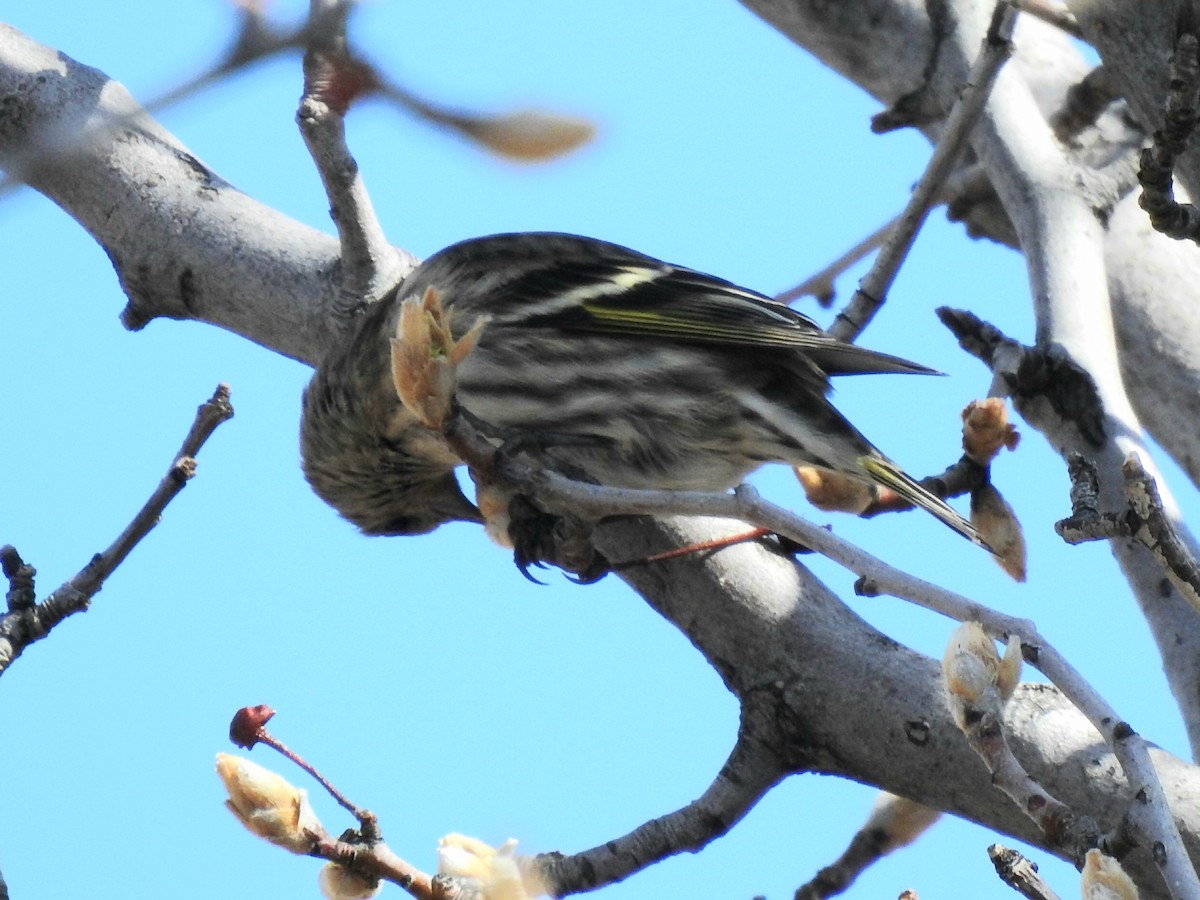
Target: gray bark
822 688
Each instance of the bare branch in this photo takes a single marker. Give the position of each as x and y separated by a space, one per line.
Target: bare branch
254 39
750 771
1152 816
821 285
1146 520
895 822
28 621
370 267
379 860
1032 376
556 492
272 808
132 187
978 686
1153 527
1086 522
1065 402
1066 830
871 293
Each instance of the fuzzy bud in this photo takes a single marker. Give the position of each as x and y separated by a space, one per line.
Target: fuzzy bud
975 674
425 357
1104 879
268 805
339 883
901 819
832 491
495 872
986 430
997 524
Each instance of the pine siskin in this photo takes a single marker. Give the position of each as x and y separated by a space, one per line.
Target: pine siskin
629 370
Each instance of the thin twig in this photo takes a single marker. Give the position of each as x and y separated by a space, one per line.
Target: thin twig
362 851
1150 810
27 621
1033 374
543 137
378 860
249 727
997 47
821 285
370 266
253 41
895 822
1065 829
751 770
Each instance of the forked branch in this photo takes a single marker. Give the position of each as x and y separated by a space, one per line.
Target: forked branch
27 620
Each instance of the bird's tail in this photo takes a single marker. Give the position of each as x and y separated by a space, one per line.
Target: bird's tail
887 474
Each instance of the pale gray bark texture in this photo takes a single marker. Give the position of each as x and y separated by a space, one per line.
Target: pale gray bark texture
1089 282
885 48
1151 303
820 689
184 243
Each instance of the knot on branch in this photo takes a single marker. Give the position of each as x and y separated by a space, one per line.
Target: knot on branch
1032 373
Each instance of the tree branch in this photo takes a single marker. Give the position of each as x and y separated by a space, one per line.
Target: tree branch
370 267
28 621
806 644
751 770
869 297
895 822
184 243
1072 419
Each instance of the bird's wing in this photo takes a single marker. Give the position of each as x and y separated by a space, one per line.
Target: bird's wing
646 298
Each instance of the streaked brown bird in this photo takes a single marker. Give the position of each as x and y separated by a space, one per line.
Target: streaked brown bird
629 370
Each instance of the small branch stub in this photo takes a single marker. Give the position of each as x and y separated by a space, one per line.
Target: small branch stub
1019 873
1144 519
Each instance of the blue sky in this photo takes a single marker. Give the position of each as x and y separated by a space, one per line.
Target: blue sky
425 675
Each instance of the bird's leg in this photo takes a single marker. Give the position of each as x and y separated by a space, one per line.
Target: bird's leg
785 545
538 537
